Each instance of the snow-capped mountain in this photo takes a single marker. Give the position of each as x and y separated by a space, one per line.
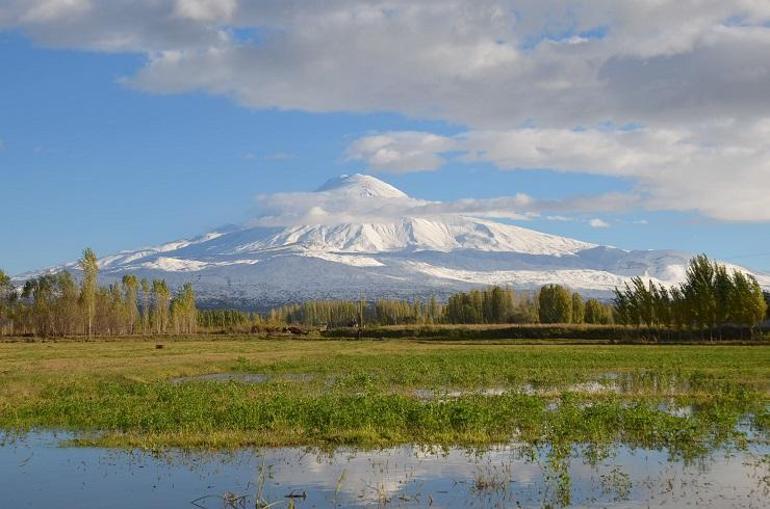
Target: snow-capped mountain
401 256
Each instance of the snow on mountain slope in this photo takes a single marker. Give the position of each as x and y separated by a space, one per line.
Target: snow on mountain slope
362 186
402 256
415 234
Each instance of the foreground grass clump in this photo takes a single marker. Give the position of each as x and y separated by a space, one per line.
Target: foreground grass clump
686 399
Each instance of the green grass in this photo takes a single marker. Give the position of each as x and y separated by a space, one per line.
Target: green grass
363 393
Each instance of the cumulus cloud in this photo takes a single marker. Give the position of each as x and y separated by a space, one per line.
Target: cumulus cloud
482 63
331 207
287 209
598 223
691 77
402 151
478 74
720 169
205 10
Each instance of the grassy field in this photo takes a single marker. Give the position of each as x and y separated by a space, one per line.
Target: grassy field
378 393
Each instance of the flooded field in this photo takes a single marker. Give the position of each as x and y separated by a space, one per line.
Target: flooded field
38 471
628 383
257 424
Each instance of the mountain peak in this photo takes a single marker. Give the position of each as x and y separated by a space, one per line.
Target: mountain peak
360 185
399 257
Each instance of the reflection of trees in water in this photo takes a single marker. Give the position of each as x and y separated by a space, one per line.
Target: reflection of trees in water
505 477
530 475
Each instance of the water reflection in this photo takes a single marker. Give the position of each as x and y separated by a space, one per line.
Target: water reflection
38 472
620 383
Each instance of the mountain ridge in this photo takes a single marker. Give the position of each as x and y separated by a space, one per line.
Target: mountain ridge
397 257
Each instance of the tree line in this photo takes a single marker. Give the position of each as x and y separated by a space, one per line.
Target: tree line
57 305
493 305
551 304
332 313
227 319
710 297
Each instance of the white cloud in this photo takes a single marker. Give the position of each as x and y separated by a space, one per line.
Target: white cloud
206 10
695 75
401 151
481 63
54 10
284 209
598 223
720 169
287 209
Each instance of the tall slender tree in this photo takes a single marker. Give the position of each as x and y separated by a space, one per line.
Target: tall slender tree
596 312
130 290
699 292
90 268
161 297
766 295
183 311
146 289
6 288
578 308
723 288
117 318
65 305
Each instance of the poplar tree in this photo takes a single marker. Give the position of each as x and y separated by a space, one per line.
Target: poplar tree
747 301
90 268
161 297
622 306
555 304
679 313
6 289
145 286
130 289
66 304
434 312
117 317
724 287
578 308
759 302
662 304
183 311
596 312
40 292
710 296
766 295
699 292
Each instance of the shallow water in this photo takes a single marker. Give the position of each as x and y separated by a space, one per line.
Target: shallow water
604 383
38 472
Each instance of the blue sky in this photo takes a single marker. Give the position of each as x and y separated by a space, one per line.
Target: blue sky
99 151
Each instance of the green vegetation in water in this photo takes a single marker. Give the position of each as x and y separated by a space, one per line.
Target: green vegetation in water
364 394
